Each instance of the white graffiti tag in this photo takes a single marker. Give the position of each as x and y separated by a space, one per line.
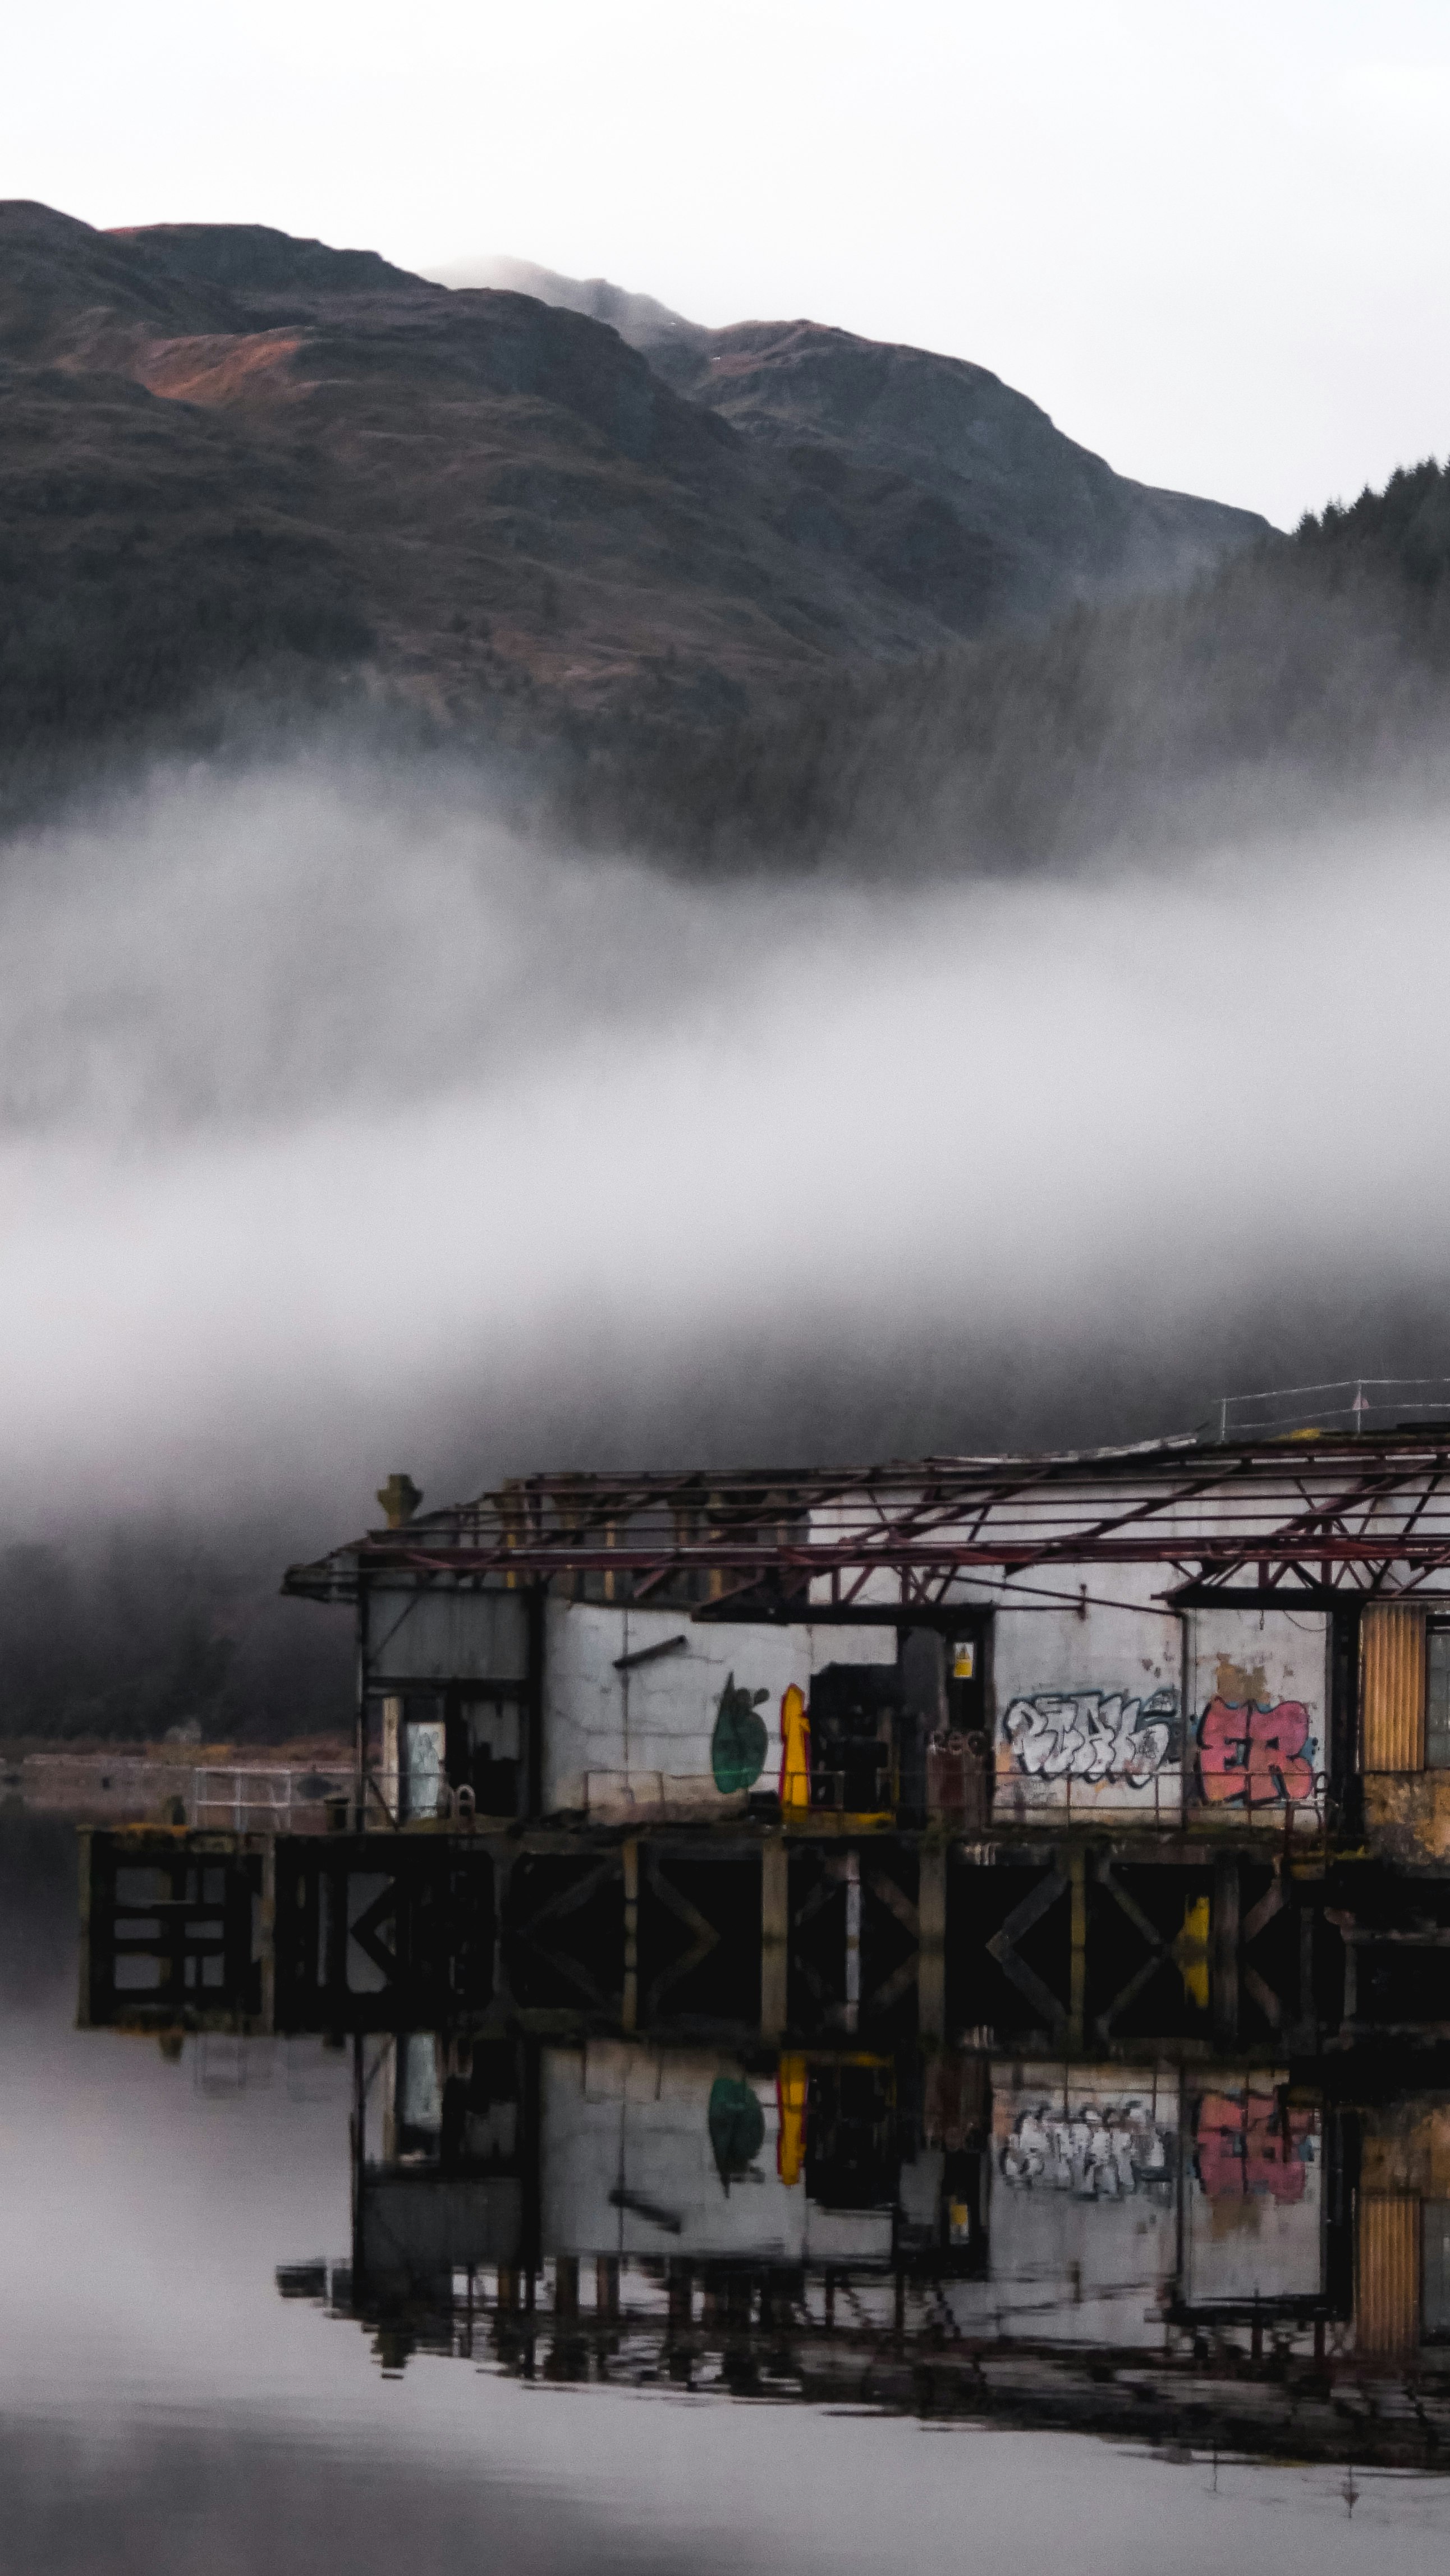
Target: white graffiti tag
1091 1735
1098 2155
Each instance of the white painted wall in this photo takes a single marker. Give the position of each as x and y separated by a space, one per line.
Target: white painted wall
624 2120
629 2121
641 1738
1273 2247
1282 1658
1089 1705
1083 1702
1079 2255
1089 1702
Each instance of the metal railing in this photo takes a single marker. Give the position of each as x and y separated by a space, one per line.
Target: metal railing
612 1794
262 1799
401 1797
279 1800
1351 1403
1174 1802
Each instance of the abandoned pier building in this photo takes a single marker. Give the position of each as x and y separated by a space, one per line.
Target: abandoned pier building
1233 1637
968 1934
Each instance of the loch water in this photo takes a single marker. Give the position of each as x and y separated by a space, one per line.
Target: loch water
262 2308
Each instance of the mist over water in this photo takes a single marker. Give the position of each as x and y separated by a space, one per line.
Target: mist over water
344 1129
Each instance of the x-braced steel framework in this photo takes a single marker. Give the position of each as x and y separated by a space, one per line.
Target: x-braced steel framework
1342 1515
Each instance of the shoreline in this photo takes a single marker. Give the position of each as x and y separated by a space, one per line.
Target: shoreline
137 1783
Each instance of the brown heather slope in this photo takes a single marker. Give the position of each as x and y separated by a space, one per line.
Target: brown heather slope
225 453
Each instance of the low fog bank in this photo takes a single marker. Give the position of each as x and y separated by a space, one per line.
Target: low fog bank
342 1130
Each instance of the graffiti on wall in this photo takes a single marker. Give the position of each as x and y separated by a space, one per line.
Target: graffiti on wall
1249 2144
740 1741
1096 2153
1253 1749
1092 1735
1254 2144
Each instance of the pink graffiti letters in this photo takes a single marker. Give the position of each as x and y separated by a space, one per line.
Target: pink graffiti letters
1249 2143
1254 1755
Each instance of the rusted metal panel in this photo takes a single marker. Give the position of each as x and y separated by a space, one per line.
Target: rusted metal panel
1387 2301
1392 1689
1407 1816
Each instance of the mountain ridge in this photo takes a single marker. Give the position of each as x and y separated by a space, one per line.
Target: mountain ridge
227 449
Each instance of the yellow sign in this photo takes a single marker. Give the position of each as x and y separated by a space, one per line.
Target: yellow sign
964 1660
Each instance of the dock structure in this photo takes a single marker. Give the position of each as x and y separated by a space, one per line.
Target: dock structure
1066 1948
1062 1749
981 1923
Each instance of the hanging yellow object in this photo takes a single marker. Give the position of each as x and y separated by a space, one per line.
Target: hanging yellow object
790 2102
1190 1951
795 1751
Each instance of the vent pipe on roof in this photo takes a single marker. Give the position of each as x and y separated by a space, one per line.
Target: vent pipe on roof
400 1498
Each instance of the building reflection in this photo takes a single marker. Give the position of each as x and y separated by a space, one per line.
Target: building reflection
1151 2143
1224 2258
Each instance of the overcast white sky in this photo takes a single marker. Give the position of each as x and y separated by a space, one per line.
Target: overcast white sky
1210 236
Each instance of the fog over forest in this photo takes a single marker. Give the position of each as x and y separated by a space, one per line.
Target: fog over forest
347 1129
1020 1046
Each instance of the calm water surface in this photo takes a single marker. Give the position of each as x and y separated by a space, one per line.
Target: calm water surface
163 2410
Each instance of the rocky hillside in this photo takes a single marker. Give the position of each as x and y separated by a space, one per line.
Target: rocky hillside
1061 524
226 453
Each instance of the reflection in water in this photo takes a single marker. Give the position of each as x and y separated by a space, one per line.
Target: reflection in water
1216 2263
1224 2259
1129 2141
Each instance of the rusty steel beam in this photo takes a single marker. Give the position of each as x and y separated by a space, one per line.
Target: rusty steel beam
845 1555
1304 1518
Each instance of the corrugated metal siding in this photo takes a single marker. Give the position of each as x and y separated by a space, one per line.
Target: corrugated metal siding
1387 2304
1392 1689
446 1636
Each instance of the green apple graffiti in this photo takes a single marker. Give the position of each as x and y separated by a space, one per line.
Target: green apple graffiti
740 1741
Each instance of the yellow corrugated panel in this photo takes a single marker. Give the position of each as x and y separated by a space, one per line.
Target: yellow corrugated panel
1392 1689
1387 2300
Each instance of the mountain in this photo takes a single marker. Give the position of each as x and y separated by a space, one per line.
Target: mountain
227 453
639 319
1065 523
1299 682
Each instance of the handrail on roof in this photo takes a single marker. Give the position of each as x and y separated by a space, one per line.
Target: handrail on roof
1356 1410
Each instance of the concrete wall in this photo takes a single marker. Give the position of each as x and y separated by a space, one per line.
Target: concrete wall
1405 2147
1253 2204
1082 2220
617 1742
1134 1710
1087 2170
1117 1707
628 2167
1259 1708
1407 1815
1089 1703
